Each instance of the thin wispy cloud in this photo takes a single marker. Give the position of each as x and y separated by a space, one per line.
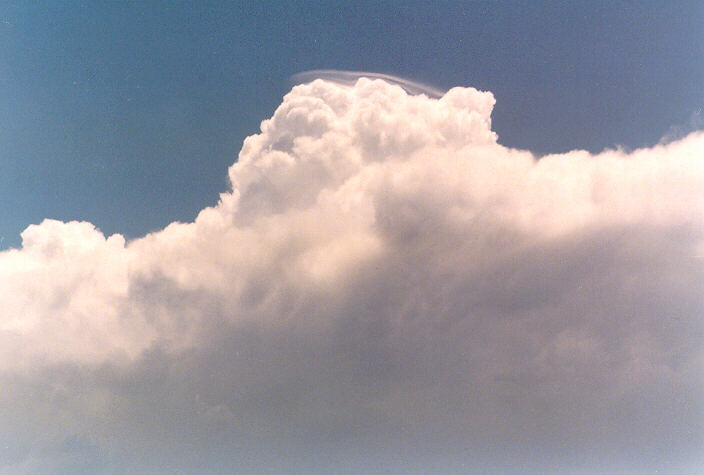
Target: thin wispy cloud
350 78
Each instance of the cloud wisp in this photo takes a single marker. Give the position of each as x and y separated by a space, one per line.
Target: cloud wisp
350 78
384 286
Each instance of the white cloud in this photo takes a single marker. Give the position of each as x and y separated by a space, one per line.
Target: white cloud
384 283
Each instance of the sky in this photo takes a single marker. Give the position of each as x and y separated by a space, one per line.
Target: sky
128 114
483 253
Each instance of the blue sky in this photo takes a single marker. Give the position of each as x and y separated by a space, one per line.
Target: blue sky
127 114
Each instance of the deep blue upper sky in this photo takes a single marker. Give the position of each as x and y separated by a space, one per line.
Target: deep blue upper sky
128 114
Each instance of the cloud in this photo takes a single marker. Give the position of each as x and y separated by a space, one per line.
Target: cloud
384 286
351 77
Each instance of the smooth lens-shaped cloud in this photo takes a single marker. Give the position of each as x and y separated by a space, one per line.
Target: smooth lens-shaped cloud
351 77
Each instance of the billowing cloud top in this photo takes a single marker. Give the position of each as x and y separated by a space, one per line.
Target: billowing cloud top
384 286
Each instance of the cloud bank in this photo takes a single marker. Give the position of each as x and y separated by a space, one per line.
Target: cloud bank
385 287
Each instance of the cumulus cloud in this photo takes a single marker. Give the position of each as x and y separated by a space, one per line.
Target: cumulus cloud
385 286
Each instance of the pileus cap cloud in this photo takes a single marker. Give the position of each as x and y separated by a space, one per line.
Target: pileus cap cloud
351 78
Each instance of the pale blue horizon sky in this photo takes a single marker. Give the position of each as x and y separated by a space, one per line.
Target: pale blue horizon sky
128 114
